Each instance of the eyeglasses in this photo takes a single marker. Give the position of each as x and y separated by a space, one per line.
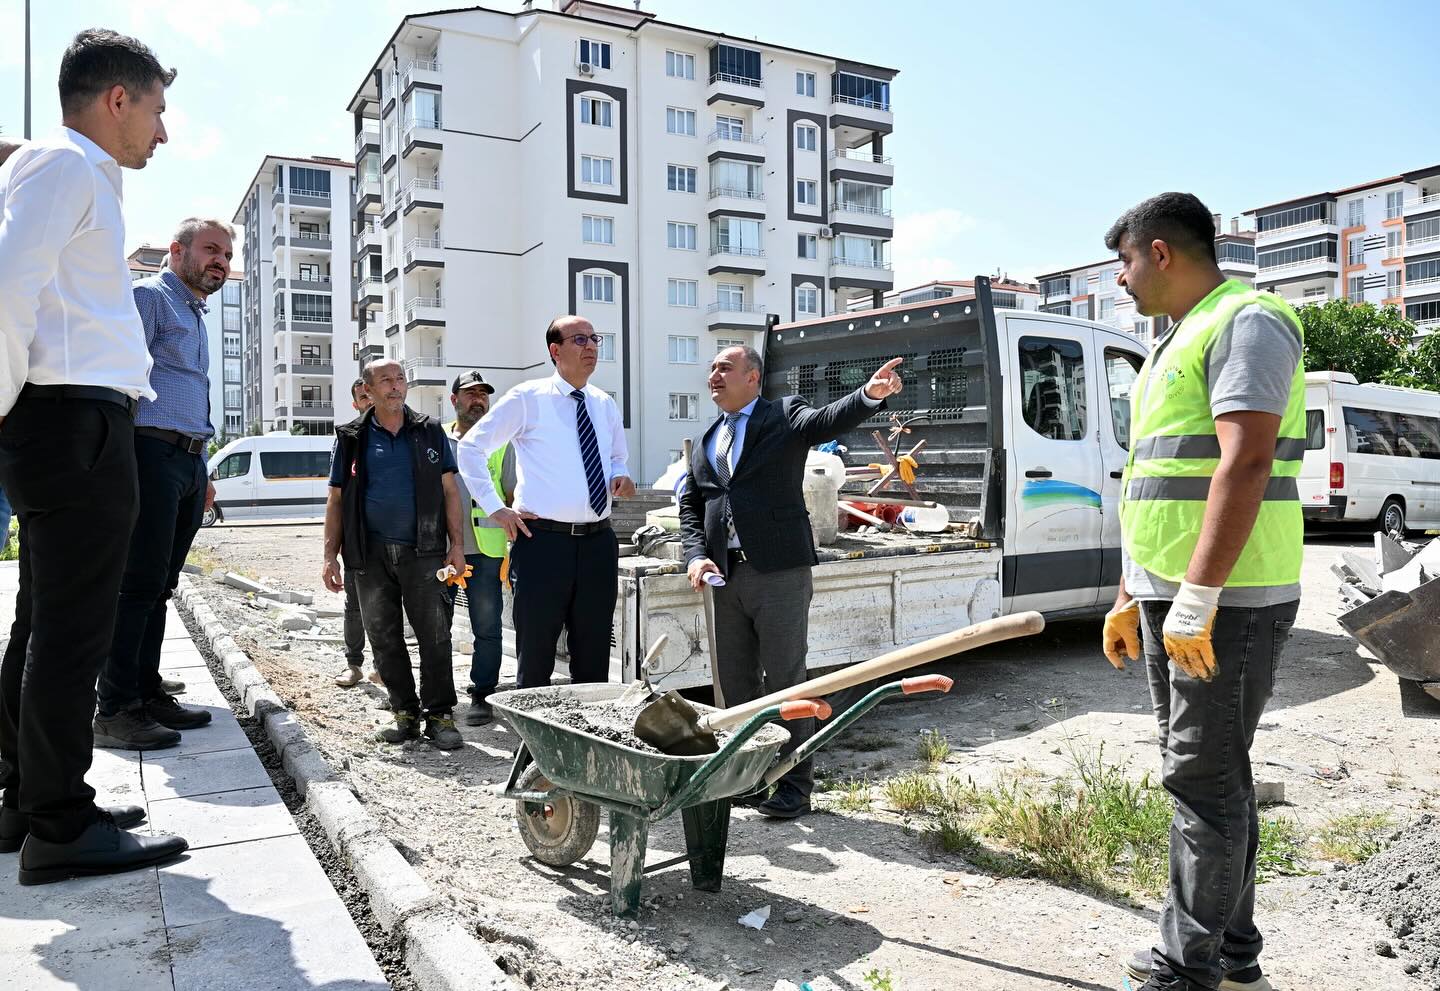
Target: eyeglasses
584 340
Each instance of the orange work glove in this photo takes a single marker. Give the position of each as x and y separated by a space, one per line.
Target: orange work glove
449 576
1187 630
1121 637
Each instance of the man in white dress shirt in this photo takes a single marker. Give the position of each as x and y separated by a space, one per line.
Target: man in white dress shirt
73 367
570 462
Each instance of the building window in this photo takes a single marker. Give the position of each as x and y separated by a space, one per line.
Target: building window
1081 309
1355 288
678 121
682 292
731 178
724 343
1422 230
599 288
806 137
807 245
311 308
865 252
1355 213
730 296
807 301
1140 327
596 112
230 318
729 128
1107 280
1315 213
680 65
1107 308
1315 251
597 171
230 294
1394 204
804 84
1232 251
606 348
736 236
1394 247
807 192
680 236
680 178
684 350
1357 251
684 406
597 230
596 53
1392 283
730 64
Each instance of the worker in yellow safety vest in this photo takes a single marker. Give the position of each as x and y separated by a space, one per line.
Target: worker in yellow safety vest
1212 535
486 547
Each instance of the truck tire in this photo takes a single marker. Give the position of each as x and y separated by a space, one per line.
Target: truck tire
557 832
211 516
1392 516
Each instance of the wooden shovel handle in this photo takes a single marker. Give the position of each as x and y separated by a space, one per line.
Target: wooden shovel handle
977 635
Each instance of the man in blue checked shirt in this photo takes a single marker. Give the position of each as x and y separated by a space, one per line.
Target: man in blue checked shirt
134 712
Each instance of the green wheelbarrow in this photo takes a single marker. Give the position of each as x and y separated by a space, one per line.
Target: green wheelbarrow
563 777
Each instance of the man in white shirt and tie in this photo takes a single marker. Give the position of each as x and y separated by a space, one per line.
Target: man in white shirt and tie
73 367
570 462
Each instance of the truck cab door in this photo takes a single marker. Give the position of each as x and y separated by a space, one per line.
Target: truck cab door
1122 363
1052 555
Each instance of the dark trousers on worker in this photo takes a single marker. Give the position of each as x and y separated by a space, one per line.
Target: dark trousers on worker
762 624
397 584
1205 731
68 466
172 502
354 625
484 603
563 581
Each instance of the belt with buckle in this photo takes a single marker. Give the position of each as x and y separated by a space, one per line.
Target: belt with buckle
93 393
736 555
573 529
186 443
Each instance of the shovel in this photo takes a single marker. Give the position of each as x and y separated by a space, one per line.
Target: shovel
673 726
641 689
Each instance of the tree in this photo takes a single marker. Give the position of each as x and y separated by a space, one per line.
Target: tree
1370 342
1420 365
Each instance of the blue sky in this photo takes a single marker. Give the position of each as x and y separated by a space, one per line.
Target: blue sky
1020 132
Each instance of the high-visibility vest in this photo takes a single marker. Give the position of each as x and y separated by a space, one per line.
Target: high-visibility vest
1174 452
490 539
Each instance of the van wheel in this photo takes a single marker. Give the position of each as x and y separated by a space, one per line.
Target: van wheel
211 516
1392 516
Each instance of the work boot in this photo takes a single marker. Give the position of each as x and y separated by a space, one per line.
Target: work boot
171 687
15 825
788 802
167 712
1234 975
350 677
479 713
103 848
407 727
133 729
442 734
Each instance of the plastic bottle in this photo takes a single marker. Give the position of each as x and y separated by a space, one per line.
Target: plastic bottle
821 494
925 519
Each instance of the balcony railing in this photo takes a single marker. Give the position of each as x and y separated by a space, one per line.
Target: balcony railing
1302 263
1307 300
414 65
372 287
1420 241
1428 324
366 137
736 192
730 134
849 206
1296 228
411 365
850 154
869 102
306 362
308 236
312 408
734 249
734 80
420 244
422 304
1419 286
731 306
1425 200
417 188
318 280
1395 251
424 123
861 262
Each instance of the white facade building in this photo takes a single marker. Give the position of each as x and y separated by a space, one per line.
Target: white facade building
1378 242
300 344
1004 293
671 185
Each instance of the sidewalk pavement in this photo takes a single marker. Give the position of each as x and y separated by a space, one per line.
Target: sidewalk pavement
248 906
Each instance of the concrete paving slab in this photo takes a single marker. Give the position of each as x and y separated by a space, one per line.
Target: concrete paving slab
175 626
45 918
220 881
186 775
115 776
223 733
309 946
133 965
207 694
178 660
227 817
178 646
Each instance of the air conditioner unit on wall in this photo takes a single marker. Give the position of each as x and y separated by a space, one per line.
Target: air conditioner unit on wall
826 232
586 69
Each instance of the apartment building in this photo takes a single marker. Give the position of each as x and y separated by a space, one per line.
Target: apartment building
1377 242
300 352
672 185
223 333
1091 291
1004 293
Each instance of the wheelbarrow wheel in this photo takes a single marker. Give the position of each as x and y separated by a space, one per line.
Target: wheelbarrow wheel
560 831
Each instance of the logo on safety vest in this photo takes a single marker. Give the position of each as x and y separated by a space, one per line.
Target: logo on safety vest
1174 380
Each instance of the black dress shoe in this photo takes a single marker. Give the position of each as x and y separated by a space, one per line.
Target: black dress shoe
104 848
167 712
786 803
15 825
132 729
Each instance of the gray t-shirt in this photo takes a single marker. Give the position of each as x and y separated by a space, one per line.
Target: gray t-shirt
1251 365
507 486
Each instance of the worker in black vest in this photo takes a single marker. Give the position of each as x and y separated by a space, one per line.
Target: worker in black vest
392 507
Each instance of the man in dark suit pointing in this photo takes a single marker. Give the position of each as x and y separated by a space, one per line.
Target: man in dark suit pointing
742 516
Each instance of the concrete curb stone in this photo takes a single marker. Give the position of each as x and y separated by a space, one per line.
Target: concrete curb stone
440 951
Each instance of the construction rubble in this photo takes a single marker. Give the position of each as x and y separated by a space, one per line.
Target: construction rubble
1390 603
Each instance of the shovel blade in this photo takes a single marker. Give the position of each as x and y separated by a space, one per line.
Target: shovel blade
671 725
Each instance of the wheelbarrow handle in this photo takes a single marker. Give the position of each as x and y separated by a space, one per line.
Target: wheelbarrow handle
926 683
805 709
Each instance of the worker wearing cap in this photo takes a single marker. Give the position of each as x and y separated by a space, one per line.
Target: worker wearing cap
486 546
1212 533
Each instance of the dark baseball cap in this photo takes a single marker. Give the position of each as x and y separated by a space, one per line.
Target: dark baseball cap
466 380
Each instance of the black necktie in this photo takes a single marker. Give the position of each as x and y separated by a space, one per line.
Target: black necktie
590 454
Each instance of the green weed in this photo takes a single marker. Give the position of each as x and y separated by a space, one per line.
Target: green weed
1352 839
1282 849
913 792
933 748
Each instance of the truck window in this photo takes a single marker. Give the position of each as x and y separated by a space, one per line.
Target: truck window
1121 367
234 466
1052 387
1371 431
1314 430
295 464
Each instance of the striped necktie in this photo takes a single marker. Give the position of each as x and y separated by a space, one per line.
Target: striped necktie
590 455
723 445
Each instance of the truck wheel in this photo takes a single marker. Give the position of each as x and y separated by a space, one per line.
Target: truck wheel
1392 516
210 517
559 831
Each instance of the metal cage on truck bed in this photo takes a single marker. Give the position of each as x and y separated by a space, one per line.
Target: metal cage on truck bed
951 371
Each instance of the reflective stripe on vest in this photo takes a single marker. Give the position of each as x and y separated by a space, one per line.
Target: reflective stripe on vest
490 540
1175 450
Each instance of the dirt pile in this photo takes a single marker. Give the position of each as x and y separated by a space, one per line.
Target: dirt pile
1402 886
608 720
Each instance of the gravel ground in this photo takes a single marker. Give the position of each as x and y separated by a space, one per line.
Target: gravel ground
1402 886
856 893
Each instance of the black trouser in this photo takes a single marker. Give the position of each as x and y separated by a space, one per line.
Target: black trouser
172 502
354 625
68 466
397 578
563 581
